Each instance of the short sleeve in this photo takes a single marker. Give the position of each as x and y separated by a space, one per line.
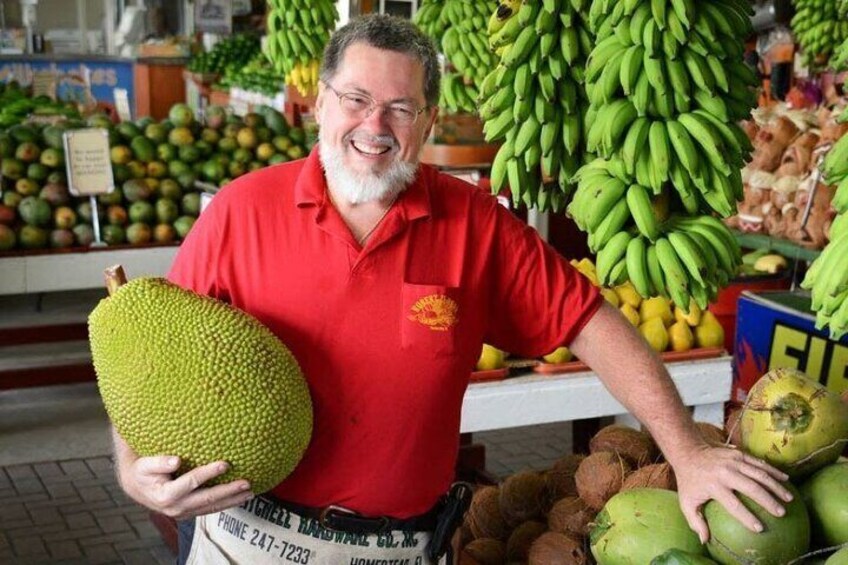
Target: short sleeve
196 266
540 301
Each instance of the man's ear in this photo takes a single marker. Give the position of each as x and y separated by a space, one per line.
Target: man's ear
431 120
319 101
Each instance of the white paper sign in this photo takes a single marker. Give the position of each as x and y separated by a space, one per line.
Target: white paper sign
87 161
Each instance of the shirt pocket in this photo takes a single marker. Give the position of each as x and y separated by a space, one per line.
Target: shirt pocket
429 318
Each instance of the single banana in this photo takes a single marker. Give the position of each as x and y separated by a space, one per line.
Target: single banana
639 204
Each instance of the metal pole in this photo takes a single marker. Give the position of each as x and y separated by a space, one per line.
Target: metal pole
95 222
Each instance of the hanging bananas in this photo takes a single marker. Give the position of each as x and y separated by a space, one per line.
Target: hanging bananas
464 45
534 99
819 27
827 277
666 84
297 34
431 18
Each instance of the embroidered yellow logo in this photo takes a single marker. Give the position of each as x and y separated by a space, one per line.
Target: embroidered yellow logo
436 311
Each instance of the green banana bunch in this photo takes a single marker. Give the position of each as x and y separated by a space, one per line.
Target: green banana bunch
534 99
827 277
297 34
666 85
464 41
432 19
819 29
456 95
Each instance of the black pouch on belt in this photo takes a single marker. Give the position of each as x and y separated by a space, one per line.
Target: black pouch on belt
455 504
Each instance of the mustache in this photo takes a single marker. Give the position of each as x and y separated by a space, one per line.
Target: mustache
387 140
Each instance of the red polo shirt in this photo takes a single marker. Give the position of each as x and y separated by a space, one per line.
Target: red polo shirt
388 334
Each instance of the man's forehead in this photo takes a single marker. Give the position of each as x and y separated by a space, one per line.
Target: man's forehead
350 76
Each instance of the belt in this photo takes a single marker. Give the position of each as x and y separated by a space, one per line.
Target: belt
345 520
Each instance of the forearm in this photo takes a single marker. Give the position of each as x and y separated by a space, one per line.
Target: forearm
637 377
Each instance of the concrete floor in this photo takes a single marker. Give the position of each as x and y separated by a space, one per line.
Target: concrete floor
60 501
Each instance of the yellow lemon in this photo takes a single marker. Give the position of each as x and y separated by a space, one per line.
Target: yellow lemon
631 314
680 336
693 318
628 294
611 296
490 358
559 355
656 307
654 332
709 332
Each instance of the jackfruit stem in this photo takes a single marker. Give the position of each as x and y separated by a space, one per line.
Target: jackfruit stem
115 278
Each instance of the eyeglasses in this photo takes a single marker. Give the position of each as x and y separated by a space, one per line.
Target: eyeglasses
360 106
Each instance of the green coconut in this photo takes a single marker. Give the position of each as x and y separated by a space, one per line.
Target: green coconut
679 557
637 525
838 558
826 497
782 539
793 422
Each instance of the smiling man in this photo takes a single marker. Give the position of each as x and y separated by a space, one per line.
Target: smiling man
384 277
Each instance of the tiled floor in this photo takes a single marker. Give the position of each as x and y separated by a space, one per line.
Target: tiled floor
72 511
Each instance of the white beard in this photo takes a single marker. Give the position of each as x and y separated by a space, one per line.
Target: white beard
356 187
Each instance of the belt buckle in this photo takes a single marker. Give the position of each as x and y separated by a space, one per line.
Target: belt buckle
333 510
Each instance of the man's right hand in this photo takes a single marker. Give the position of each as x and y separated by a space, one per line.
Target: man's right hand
150 482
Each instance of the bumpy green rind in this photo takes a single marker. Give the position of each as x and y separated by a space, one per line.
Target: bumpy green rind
187 375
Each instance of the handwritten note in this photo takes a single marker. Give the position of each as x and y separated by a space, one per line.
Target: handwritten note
88 165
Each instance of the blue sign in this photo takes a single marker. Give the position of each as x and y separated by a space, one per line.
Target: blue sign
72 77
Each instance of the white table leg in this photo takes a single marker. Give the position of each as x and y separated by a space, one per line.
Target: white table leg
710 413
628 420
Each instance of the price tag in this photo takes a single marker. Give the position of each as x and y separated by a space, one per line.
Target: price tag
87 160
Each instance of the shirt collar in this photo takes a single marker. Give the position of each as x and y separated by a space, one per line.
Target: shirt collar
311 186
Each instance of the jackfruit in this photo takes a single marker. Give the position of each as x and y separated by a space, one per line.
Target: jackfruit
184 374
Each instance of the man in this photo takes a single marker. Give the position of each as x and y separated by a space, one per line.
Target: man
384 277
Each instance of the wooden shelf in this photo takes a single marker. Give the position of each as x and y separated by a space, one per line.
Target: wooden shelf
459 156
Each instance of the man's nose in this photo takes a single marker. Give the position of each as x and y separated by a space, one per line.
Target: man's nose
378 119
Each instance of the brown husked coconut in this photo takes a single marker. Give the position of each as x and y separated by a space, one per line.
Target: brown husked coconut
521 538
600 476
713 434
560 478
657 475
553 548
634 445
571 516
522 497
484 517
486 551
731 426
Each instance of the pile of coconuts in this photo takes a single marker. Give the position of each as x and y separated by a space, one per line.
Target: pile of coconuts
618 504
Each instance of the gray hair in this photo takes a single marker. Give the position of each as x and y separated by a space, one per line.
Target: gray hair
391 33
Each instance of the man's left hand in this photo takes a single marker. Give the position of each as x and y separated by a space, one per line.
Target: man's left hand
719 473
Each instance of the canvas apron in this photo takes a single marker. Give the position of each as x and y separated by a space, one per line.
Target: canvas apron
260 532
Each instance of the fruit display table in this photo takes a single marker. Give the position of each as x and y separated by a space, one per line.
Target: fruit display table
529 400
60 271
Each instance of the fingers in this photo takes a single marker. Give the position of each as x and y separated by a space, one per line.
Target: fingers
157 465
697 522
219 497
771 471
764 478
194 479
756 492
738 510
